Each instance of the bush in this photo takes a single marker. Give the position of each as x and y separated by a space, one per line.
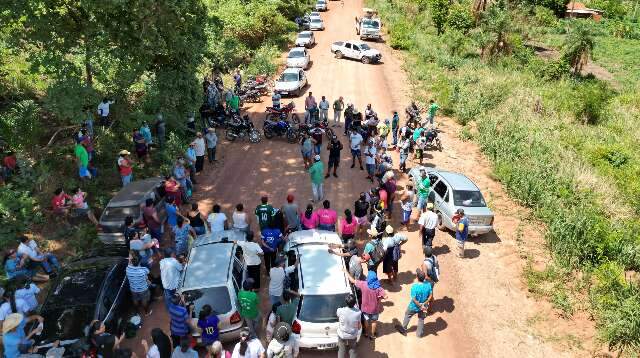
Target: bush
263 61
400 36
18 211
591 100
21 125
460 18
555 69
545 17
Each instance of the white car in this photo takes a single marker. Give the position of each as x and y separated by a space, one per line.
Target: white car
321 5
305 39
357 50
316 23
298 58
323 288
291 82
313 14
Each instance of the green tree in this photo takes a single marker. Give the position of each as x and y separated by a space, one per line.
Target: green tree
439 14
495 26
460 18
578 44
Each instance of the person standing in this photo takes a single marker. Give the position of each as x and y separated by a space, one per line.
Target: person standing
348 226
338 107
327 217
419 304
140 145
348 118
316 172
324 110
197 220
239 218
125 167
433 108
355 140
290 211
251 253
182 233
82 158
200 149
249 303
208 322
431 268
370 160
217 220
348 327
271 239
104 110
317 133
180 318
284 344
428 221
306 148
392 244
139 285
286 312
161 129
264 213
395 126
372 296
275 100
212 143
146 134
237 79
277 276
191 157
309 219
462 230
361 208
183 348
310 107
406 203
424 183
161 347
334 148
170 272
403 146
248 347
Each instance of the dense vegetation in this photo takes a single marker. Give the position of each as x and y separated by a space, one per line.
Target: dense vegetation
58 57
561 140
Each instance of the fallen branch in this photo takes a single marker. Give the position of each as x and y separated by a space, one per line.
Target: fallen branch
53 137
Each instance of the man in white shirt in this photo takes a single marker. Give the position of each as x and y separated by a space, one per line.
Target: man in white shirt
103 111
217 220
355 139
370 160
47 261
349 326
170 272
277 275
324 110
212 143
428 221
251 253
201 149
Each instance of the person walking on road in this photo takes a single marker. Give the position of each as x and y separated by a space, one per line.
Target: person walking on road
212 144
428 221
334 148
433 108
372 296
421 293
316 172
338 107
348 327
462 230
395 126
324 110
355 141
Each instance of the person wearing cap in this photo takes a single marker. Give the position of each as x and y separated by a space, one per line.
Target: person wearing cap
349 324
338 107
421 293
13 335
170 273
291 214
423 185
125 167
462 230
283 344
212 144
316 172
200 148
334 147
249 305
370 246
431 268
392 243
248 347
428 221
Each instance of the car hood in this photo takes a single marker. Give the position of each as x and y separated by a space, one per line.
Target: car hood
372 53
286 85
66 323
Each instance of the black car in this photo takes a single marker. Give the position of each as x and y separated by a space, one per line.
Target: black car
91 288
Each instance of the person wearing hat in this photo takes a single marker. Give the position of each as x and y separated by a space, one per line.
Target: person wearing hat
316 172
392 243
13 335
428 221
249 346
283 341
190 157
125 167
462 230
212 144
200 148
376 238
334 148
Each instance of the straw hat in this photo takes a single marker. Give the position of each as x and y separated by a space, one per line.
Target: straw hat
124 152
373 231
389 229
12 321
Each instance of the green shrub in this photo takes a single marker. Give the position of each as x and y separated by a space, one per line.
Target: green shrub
460 18
400 36
456 42
264 60
545 17
592 98
555 69
18 211
21 126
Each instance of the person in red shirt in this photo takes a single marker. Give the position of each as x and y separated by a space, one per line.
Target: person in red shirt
327 217
60 201
125 167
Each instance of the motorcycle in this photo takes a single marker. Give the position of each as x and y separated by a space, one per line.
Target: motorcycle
241 129
306 128
280 128
284 113
252 96
213 117
432 139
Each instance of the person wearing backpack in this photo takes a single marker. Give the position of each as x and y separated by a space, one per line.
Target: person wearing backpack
392 243
374 250
431 268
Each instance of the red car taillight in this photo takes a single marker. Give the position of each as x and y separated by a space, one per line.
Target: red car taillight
296 327
235 317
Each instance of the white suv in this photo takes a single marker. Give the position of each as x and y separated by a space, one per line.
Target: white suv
323 288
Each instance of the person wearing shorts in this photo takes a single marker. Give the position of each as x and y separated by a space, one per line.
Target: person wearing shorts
372 296
139 285
355 139
334 148
361 208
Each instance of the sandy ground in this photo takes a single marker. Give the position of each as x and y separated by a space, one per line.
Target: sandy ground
482 308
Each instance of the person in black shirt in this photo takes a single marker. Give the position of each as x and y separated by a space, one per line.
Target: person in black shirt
334 148
361 207
104 343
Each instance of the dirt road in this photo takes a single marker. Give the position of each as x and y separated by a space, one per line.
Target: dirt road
481 307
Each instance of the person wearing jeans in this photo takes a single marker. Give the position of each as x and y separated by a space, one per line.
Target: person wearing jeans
47 261
349 324
421 293
212 143
338 107
324 110
317 177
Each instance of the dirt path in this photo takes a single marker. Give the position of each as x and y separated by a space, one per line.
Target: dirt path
481 309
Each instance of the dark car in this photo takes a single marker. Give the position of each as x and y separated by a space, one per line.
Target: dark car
91 288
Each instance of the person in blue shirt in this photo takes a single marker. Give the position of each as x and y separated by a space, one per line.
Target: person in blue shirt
13 335
16 265
208 322
462 230
191 162
146 133
271 240
172 212
421 292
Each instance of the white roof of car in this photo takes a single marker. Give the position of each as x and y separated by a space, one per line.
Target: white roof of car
297 49
208 266
305 33
291 70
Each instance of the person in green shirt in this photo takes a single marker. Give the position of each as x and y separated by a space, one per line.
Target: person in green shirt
82 156
249 306
395 126
316 171
423 186
433 107
264 213
286 312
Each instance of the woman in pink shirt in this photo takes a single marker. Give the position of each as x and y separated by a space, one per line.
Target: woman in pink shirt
309 219
348 226
327 218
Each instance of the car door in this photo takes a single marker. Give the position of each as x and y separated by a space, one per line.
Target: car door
355 52
347 49
443 199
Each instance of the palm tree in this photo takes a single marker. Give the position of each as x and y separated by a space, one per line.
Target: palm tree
578 45
495 26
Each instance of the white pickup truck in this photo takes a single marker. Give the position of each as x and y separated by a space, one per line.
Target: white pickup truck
356 50
368 26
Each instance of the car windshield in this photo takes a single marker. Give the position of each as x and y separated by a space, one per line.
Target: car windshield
371 24
469 198
289 77
120 213
320 308
304 36
296 54
364 47
216 297
77 288
316 19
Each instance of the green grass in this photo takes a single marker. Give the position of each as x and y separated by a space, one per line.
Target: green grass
621 58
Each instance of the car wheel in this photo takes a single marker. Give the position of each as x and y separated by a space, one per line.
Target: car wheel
441 225
338 54
366 60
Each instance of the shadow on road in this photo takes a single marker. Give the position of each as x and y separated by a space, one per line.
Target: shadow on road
444 304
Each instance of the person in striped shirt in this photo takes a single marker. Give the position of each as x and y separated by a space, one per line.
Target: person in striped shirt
179 314
139 284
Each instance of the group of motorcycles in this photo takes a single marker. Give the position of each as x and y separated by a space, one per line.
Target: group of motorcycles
283 122
253 89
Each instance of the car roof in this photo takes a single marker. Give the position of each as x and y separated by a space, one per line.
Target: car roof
316 18
208 266
458 181
291 70
355 42
299 48
218 237
134 192
305 32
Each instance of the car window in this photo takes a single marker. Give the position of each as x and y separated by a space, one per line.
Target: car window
237 271
121 213
289 77
441 189
296 54
347 45
320 308
433 178
364 47
469 198
217 297
355 48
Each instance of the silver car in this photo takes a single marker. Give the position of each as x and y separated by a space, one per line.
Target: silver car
213 275
321 5
451 191
305 39
298 57
316 24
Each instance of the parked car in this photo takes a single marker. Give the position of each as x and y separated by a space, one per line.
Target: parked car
321 5
451 191
305 39
316 24
291 82
129 202
213 275
313 14
93 287
298 58
323 288
357 50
